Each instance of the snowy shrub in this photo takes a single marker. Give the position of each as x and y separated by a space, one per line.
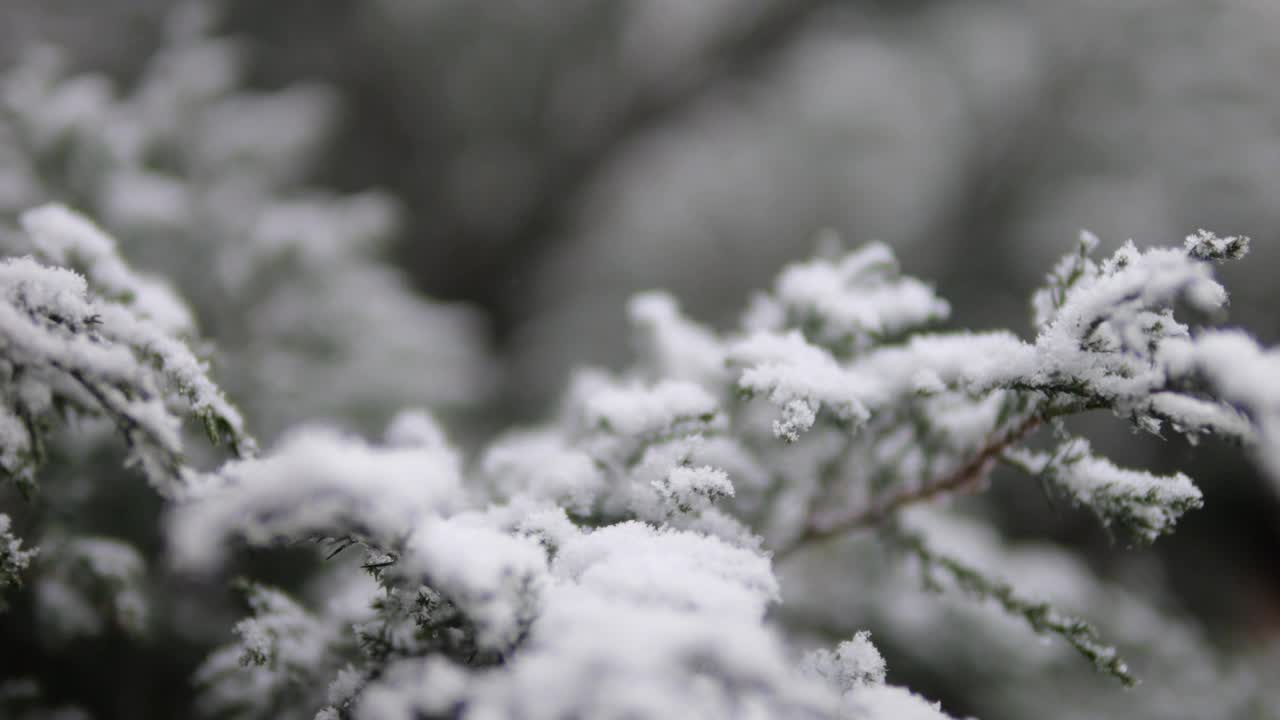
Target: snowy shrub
628 558
752 523
106 371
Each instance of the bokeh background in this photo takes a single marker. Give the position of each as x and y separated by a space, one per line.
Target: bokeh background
549 159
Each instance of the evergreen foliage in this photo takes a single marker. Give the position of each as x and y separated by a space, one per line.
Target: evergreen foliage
683 538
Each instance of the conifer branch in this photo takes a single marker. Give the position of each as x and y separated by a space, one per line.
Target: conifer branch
819 529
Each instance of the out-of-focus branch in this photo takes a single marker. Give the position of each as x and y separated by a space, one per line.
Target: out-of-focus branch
739 53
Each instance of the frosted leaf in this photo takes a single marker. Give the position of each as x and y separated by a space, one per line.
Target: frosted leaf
1103 326
1129 283
799 378
630 429
1191 416
1145 504
1239 372
927 364
848 303
854 663
65 238
637 484
1204 245
1100 335
687 488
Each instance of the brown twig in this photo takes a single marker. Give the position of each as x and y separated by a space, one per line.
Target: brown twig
970 473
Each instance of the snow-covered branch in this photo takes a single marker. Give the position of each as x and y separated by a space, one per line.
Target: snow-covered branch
630 545
107 343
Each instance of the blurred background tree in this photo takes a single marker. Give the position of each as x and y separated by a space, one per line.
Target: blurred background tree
548 160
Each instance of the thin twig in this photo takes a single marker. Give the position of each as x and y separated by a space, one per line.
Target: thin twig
819 529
